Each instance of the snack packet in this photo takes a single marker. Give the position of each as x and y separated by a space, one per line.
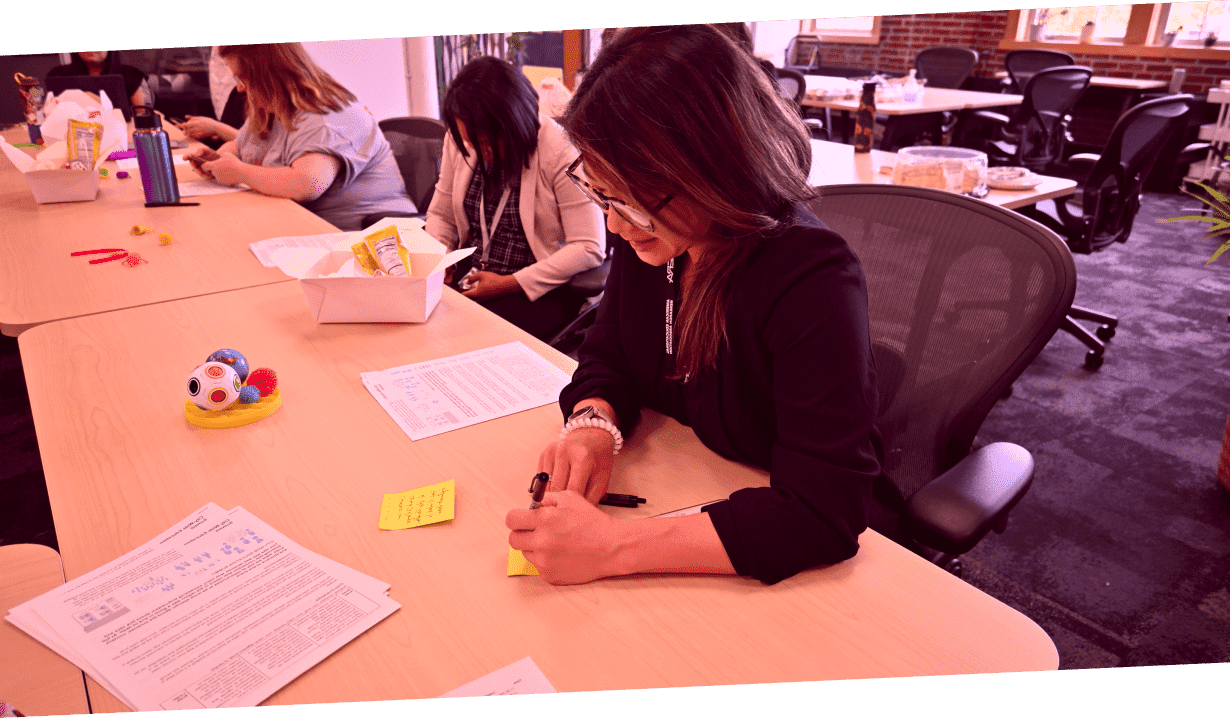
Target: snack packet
382 253
84 139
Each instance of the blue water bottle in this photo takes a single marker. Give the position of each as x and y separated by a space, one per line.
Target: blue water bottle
154 158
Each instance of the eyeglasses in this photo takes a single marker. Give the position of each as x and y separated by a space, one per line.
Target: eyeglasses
637 218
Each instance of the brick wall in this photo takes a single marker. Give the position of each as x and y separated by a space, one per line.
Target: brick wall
902 36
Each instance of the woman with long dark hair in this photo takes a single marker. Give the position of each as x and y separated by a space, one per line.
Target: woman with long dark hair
729 307
307 138
503 190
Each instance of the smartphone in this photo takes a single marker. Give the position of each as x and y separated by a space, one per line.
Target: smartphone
198 160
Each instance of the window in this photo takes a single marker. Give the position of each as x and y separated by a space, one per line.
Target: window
1064 24
864 29
1190 29
1193 23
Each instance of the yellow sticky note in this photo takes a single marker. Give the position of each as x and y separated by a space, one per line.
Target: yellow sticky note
518 565
428 505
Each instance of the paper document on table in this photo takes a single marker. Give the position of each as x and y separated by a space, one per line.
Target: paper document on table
520 678
131 163
220 610
436 396
265 248
203 187
519 565
419 507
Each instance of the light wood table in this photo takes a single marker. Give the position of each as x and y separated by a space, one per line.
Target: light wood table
934 100
1122 83
122 464
40 282
34 678
836 163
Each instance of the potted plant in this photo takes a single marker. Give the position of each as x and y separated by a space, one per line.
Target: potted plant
1219 229
1210 40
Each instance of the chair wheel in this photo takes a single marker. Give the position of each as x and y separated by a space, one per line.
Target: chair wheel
954 567
1093 361
1104 332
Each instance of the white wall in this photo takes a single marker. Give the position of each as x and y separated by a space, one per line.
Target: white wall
772 37
374 70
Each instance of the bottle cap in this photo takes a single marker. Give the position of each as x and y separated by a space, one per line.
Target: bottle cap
144 118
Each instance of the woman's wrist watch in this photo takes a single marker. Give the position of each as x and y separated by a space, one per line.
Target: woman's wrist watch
591 417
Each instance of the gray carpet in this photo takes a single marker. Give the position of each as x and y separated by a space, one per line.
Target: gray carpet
1121 548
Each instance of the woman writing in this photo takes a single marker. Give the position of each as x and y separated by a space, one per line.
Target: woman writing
503 189
729 307
306 138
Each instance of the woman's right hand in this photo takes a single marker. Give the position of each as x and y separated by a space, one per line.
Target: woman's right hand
199 128
581 461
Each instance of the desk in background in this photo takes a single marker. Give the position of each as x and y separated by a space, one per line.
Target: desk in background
934 100
835 163
34 678
122 464
40 282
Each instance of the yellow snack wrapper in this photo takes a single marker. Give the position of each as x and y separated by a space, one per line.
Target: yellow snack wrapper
84 140
383 252
365 260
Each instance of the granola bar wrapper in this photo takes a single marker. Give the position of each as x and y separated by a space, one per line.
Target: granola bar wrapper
382 253
84 142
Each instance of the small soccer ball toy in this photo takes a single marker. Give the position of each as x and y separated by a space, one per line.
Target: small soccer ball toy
213 386
233 359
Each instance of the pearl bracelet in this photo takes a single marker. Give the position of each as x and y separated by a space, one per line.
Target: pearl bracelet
594 423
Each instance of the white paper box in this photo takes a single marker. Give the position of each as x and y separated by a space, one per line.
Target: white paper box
50 186
61 185
364 299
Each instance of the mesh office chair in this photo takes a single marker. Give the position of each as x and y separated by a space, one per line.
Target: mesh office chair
418 145
793 87
945 66
1024 64
1038 133
1108 198
802 53
962 295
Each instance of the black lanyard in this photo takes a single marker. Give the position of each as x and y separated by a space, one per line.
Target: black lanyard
672 298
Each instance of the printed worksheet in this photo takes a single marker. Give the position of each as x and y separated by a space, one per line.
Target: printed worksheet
436 396
265 248
201 188
520 678
220 610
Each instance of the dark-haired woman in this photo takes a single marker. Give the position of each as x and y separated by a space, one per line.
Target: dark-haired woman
729 307
307 138
503 190
107 63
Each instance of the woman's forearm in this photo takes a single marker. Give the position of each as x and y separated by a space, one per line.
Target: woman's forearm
282 182
683 544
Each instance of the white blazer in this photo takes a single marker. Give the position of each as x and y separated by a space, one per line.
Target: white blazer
566 231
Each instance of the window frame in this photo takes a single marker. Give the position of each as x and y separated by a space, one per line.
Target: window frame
808 28
1143 38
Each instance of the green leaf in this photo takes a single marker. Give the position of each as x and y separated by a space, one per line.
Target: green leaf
1218 253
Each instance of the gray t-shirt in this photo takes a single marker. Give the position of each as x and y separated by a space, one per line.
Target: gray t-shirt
368 181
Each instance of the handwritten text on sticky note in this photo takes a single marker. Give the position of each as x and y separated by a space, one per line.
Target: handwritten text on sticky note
518 565
428 505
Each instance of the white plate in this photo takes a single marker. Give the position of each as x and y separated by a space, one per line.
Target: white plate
1012 178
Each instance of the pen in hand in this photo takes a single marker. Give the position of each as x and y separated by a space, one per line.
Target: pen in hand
538 489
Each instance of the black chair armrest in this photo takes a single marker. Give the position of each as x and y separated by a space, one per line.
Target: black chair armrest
953 512
1080 165
371 219
1195 152
989 116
